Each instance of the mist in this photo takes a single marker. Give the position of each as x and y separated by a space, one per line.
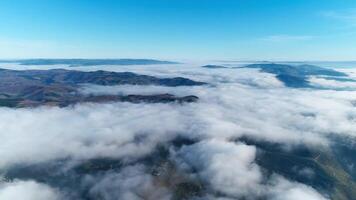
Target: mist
235 105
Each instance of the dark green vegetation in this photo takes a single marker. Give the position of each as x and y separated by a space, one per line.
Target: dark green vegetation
327 169
59 87
71 179
296 76
214 66
320 168
89 62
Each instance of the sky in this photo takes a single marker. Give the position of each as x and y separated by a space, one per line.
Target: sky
295 30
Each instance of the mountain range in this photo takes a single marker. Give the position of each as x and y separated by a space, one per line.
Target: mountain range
59 87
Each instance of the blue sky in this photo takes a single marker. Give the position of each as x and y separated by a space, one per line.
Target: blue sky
179 29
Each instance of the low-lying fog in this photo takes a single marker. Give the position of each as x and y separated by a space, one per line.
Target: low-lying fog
236 103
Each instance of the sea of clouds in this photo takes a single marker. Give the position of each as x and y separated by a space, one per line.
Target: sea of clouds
236 103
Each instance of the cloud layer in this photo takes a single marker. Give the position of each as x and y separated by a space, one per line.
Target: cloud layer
28 190
238 103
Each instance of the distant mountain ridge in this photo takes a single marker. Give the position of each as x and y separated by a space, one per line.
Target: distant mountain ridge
59 87
214 66
296 75
89 62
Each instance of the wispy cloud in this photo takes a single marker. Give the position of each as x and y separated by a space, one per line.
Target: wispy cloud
347 16
287 38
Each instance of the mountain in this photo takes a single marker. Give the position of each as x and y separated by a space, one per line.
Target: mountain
214 66
326 169
59 87
89 62
296 76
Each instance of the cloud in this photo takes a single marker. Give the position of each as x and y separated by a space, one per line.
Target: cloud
346 16
333 84
225 166
135 89
27 190
132 183
86 131
244 104
229 169
237 103
282 189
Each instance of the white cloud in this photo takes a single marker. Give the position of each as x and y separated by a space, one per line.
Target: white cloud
282 189
135 89
226 166
229 169
27 190
347 16
333 84
85 132
132 183
244 104
238 102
